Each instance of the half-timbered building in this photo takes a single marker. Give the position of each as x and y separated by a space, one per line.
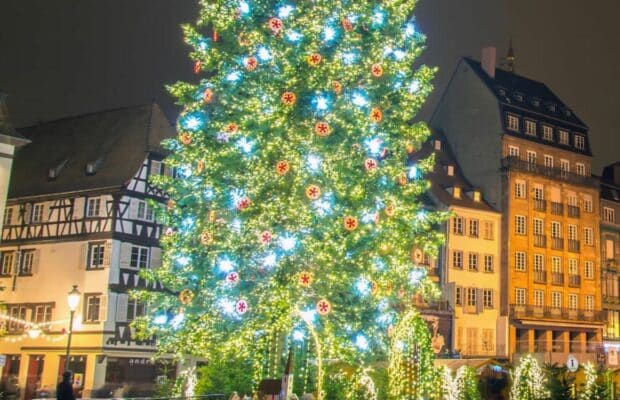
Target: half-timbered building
78 213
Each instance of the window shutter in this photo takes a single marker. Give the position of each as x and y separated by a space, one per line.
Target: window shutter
121 308
450 293
35 261
27 213
125 255
78 208
133 208
83 257
45 213
107 253
103 308
479 300
609 249
155 257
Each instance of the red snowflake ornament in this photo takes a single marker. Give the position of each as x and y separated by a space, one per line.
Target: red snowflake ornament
232 127
197 67
282 167
347 25
322 129
232 278
377 70
337 86
323 307
314 59
185 138
305 279
276 25
370 164
241 307
313 192
265 237
243 203
376 115
350 223
251 63
288 98
207 96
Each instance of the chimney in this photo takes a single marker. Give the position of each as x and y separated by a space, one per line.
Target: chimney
488 61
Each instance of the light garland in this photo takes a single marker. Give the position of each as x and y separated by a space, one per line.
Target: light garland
529 380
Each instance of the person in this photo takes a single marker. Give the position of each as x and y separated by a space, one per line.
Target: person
234 396
64 390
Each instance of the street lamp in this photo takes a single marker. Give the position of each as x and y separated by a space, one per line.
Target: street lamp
73 299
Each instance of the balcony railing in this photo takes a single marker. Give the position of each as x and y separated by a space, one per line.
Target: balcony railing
514 163
540 276
540 240
545 312
573 245
540 205
574 280
557 208
557 278
557 243
573 211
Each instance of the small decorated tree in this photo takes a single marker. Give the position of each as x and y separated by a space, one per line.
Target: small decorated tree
594 386
529 381
463 386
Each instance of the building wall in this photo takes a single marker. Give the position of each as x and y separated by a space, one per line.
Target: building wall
610 261
6 162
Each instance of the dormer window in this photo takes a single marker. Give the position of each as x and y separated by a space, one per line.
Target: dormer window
547 133
551 107
535 102
450 170
501 91
530 127
477 196
513 122
518 96
156 167
437 144
563 136
580 142
456 192
567 112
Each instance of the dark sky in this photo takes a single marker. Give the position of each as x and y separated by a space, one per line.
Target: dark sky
66 57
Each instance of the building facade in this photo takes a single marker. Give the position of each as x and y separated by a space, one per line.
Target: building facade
530 156
610 258
79 213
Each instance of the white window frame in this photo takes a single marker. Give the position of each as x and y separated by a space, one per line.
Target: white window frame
548 161
36 215
588 302
556 229
563 136
8 262
474 227
93 207
538 297
532 157
572 232
520 261
530 127
141 250
155 167
135 309
587 203
573 266
472 297
513 151
489 263
547 132
44 316
588 236
580 142
489 228
473 262
556 265
8 216
520 189
573 301
539 192
27 262
87 307
457 225
512 122
520 297
588 269
144 212
539 262
96 255
564 165
487 298
580 169
538 226
556 299
457 259
609 215
520 225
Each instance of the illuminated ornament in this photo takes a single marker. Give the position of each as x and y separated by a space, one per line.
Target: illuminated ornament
200 166
212 215
243 203
232 278
282 167
329 34
347 25
244 8
337 86
186 296
402 179
305 279
350 223
313 192
206 238
376 115
385 249
314 59
251 63
197 67
361 342
417 255
185 138
169 231
376 70
265 237
322 129
288 98
215 36
170 205
207 96
410 148
374 288
390 330
359 98
370 164
288 242
390 209
323 307
285 10
293 36
232 127
275 24
241 307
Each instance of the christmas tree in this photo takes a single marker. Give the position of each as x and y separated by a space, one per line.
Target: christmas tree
294 210
529 381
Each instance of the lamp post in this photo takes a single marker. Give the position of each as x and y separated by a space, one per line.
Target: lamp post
73 299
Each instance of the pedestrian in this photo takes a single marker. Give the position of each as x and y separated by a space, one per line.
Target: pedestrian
234 396
64 390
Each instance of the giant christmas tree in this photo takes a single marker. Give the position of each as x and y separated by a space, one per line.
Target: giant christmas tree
294 210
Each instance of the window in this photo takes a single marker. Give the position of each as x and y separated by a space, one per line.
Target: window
456 192
42 314
458 296
520 261
471 296
93 207
530 127
135 309
556 229
563 136
457 225
93 307
564 165
457 259
573 303
589 302
487 296
588 236
145 212
489 228
37 213
450 170
16 313
548 161
513 123
539 226
539 298
588 267
155 167
580 142
437 144
8 259
8 216
520 224
547 133
571 199
96 252
587 203
609 215
139 257
581 169
474 227
488 263
610 249
520 189
477 196
531 157
27 262
513 151
556 265
539 262
539 192
519 296
473 261
572 232
573 268
556 299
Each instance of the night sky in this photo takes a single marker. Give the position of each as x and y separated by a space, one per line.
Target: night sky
67 57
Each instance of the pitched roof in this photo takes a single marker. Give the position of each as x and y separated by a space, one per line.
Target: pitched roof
530 89
117 140
8 134
610 182
442 182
